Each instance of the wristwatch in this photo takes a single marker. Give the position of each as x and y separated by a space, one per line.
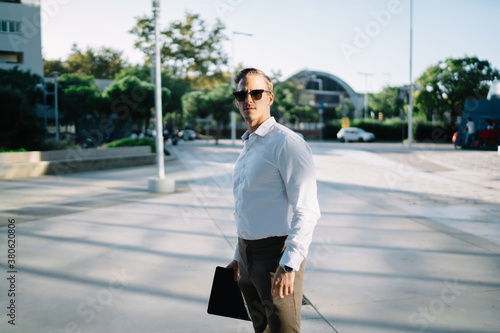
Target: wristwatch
287 269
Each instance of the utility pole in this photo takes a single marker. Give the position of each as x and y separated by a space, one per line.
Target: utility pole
158 103
410 102
56 105
365 106
159 184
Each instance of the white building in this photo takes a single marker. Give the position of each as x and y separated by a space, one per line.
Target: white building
20 35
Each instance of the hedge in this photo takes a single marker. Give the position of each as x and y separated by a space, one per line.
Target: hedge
131 142
392 130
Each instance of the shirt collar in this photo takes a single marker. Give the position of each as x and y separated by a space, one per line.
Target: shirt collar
262 130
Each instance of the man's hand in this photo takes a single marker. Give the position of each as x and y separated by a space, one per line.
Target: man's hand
282 283
235 267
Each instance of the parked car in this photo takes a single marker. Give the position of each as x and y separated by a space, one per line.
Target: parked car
354 134
188 134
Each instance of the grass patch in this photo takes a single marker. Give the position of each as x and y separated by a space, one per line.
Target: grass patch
20 150
131 142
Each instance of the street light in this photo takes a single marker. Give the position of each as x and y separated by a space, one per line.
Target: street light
233 113
159 184
56 106
366 92
410 102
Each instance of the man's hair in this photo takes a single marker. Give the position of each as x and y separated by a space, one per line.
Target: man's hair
244 73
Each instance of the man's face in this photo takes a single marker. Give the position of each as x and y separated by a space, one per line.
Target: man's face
254 112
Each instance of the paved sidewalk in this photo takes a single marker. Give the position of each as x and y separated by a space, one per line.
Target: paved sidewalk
104 255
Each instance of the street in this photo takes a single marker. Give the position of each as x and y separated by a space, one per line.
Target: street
408 241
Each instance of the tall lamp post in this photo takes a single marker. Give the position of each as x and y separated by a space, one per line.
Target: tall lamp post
366 92
233 113
159 184
56 106
410 102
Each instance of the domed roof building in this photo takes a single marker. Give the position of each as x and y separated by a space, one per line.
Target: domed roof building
326 88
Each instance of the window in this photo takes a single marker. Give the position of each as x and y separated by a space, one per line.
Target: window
10 26
11 57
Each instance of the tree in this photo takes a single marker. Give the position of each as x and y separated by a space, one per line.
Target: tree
189 50
25 81
78 102
193 105
51 66
102 63
76 93
285 104
387 101
130 97
172 111
217 102
345 109
81 80
447 85
19 127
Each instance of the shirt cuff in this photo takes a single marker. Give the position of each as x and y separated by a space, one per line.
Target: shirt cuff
291 259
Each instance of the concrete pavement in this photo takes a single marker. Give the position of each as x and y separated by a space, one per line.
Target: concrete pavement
408 242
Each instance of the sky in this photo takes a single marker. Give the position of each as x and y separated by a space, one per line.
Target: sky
366 43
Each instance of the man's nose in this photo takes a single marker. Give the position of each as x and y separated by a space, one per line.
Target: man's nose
248 98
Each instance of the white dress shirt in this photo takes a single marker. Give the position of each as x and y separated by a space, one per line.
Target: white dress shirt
275 190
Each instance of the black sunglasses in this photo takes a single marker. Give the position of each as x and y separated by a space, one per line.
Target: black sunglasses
256 94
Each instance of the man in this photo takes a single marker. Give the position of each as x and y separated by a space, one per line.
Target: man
471 131
276 209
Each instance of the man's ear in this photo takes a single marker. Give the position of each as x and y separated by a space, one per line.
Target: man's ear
271 99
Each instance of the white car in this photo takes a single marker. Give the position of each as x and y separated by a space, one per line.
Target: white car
354 134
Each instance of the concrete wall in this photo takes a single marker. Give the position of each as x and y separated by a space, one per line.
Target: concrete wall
29 40
59 162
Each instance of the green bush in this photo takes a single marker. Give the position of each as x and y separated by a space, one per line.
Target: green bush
432 132
131 142
331 129
391 129
20 150
19 127
388 130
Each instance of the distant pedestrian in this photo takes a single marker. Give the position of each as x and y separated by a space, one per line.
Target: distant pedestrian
471 130
490 124
276 209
